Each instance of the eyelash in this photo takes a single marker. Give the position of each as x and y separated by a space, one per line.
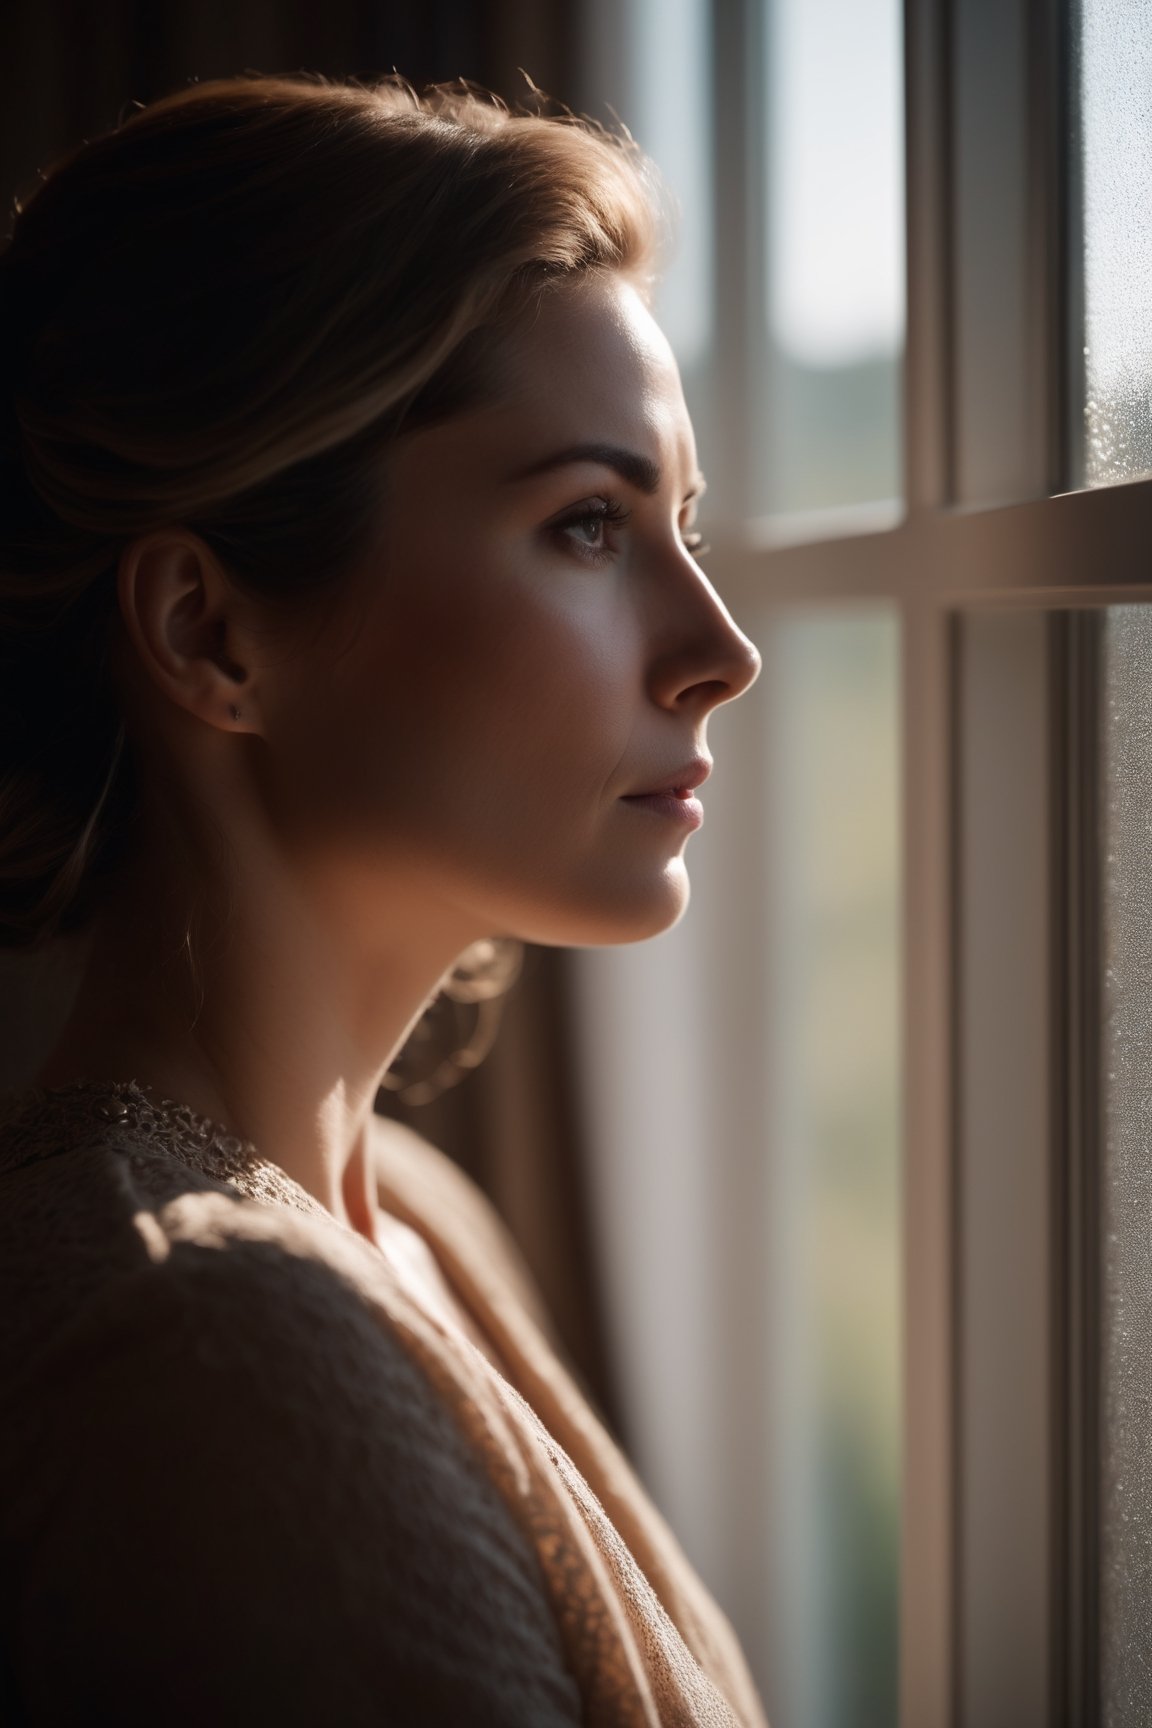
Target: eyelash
609 511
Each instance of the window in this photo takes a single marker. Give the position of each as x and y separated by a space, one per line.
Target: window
833 267
871 1126
784 1480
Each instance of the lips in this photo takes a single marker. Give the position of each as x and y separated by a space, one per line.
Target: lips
681 783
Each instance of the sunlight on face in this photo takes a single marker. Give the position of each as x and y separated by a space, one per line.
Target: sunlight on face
533 648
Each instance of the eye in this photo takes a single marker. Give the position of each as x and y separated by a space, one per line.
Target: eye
587 527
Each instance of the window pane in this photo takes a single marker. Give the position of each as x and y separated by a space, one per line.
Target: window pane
649 62
1126 1177
1114 90
833 97
832 1240
670 116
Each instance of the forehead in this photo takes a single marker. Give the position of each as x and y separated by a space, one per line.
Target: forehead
586 364
591 351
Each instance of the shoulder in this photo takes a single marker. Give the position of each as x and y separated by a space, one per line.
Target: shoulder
95 1212
150 1289
232 1471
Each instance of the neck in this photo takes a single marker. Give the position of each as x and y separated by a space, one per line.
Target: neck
263 1014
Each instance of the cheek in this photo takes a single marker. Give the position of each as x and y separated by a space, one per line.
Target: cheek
483 716
497 686
473 737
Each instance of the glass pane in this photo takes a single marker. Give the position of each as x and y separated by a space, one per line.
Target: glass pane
832 1240
670 116
834 99
649 63
1126 1178
1113 80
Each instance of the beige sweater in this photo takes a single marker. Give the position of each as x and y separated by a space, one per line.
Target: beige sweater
249 1476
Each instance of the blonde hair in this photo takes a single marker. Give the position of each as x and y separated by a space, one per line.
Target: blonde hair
218 315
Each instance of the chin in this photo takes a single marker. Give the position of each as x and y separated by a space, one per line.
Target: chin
611 919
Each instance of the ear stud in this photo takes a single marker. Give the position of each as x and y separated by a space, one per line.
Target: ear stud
235 712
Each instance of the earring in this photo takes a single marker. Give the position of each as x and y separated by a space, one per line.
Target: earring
235 712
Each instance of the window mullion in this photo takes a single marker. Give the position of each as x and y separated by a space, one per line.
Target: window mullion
738 160
1004 244
1077 1056
927 377
927 1570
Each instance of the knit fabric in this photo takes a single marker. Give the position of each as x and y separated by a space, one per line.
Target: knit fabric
249 1475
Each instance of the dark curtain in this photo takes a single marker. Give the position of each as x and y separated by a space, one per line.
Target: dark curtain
67 70
67 67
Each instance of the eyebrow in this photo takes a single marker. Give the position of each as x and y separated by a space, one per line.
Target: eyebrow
639 471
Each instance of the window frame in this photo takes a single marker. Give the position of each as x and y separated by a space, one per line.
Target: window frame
1055 559
1000 577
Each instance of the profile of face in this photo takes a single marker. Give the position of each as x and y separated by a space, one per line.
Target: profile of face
531 651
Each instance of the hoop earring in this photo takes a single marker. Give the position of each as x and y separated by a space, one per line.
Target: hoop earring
481 980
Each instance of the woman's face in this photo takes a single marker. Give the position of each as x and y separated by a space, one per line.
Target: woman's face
532 649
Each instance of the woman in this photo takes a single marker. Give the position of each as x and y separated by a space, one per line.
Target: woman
348 618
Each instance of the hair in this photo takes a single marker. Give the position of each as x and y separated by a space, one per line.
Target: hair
218 315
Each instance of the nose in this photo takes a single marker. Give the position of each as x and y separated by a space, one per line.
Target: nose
701 658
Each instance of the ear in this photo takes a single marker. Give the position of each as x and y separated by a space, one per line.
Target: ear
186 621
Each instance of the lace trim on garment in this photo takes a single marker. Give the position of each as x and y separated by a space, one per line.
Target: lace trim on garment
31 1119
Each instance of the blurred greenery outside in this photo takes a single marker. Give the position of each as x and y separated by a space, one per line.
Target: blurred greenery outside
831 434
832 1131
